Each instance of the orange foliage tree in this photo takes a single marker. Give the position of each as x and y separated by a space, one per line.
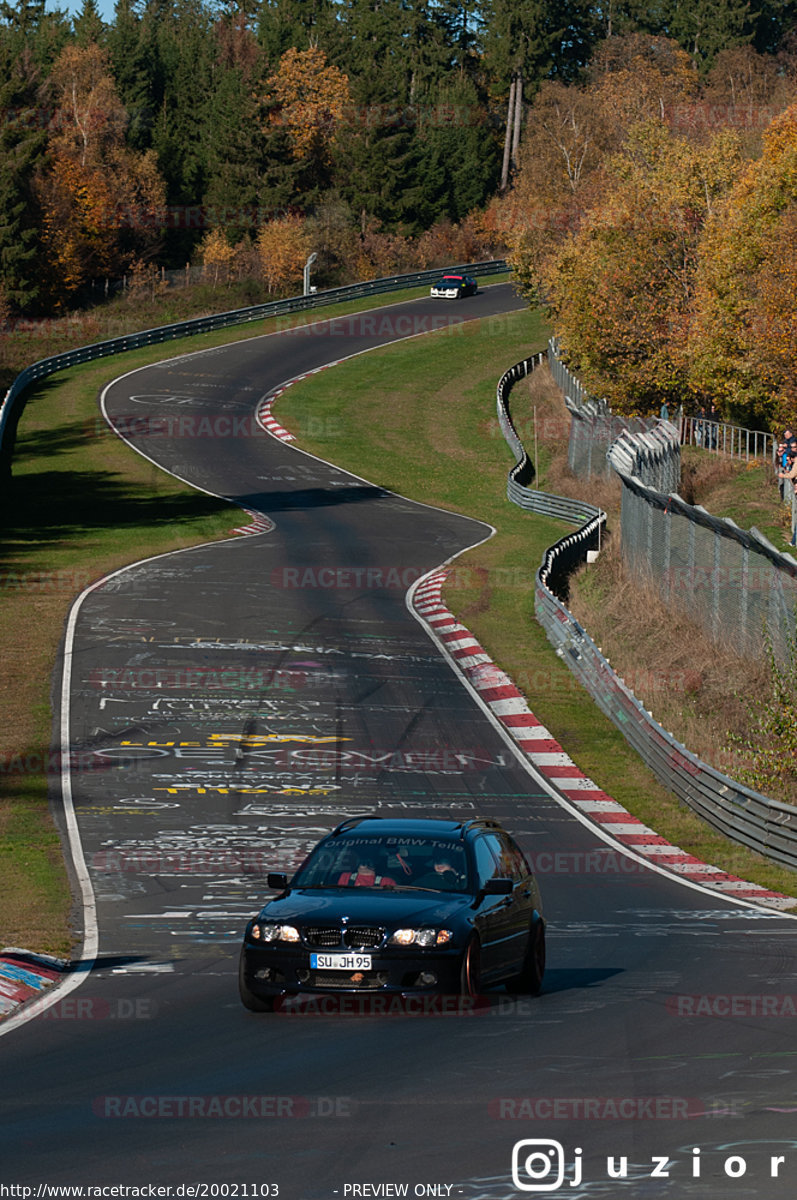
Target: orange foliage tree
217 255
283 246
100 200
571 131
745 294
312 97
621 288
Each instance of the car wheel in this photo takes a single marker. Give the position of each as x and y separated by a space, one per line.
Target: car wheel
531 973
248 998
470 972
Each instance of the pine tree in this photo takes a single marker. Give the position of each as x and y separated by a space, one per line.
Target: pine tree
282 24
88 24
234 143
133 71
527 41
184 54
27 26
704 27
22 149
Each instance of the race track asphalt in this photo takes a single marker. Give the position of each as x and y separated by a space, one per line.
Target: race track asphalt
228 704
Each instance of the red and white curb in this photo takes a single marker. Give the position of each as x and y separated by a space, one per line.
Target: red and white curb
548 758
263 411
260 523
271 424
24 975
264 418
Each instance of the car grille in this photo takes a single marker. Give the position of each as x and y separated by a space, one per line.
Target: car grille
354 937
323 937
363 937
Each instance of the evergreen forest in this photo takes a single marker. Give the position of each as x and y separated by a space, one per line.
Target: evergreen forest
640 153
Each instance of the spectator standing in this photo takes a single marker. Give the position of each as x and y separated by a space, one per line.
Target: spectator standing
787 453
791 475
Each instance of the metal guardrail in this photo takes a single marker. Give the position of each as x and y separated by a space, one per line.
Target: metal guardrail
654 457
745 816
732 580
562 507
733 440
10 408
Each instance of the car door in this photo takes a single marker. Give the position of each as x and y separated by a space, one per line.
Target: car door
494 913
523 899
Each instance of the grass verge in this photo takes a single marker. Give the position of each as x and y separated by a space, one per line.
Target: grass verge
418 418
81 504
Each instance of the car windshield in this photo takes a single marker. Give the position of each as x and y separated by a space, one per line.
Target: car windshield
385 862
452 279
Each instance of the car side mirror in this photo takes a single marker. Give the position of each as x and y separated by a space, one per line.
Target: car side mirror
277 879
498 887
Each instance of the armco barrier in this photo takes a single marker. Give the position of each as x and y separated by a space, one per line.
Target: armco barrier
12 404
742 814
733 581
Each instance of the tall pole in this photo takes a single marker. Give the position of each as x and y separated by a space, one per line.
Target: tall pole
510 115
307 267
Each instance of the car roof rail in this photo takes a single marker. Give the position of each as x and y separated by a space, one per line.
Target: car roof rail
353 822
478 822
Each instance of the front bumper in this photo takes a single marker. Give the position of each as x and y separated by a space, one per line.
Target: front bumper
279 971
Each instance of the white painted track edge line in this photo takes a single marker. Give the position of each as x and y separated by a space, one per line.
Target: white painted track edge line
81 968
598 830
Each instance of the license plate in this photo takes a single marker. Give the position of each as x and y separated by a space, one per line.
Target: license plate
340 962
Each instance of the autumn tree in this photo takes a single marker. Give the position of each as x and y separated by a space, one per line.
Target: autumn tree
311 97
744 90
775 317
571 130
744 296
89 116
283 246
98 197
217 255
621 289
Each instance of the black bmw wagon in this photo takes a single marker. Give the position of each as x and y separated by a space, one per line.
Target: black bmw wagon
390 905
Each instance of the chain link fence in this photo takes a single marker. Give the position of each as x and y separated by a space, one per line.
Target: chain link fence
748 817
593 425
733 581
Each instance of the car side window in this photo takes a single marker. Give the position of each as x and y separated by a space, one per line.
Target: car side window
512 860
487 864
499 847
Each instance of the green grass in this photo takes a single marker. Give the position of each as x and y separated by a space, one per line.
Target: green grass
419 418
81 504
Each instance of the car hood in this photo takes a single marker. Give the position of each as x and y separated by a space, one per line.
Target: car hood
365 906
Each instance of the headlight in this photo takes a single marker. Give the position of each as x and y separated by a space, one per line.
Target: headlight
420 937
262 932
